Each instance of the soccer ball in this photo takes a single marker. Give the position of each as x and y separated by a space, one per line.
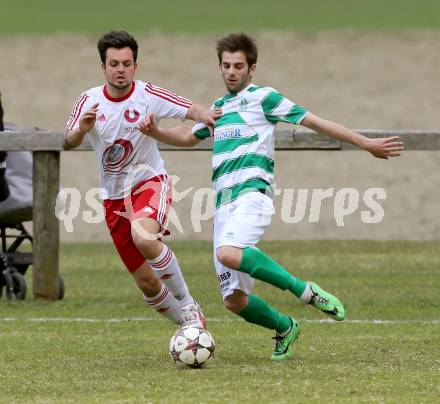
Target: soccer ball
191 346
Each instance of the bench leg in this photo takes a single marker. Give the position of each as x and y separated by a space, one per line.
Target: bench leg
46 184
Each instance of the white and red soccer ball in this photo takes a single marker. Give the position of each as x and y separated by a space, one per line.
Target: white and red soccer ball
192 346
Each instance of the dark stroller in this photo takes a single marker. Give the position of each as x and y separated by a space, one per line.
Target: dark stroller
15 208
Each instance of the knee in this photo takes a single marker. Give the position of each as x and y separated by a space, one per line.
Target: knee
236 303
144 245
229 256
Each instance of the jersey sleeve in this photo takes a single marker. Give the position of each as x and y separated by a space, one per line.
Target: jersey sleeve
278 108
82 104
201 131
166 104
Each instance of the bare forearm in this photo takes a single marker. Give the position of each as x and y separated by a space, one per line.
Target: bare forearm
334 130
73 139
382 148
180 136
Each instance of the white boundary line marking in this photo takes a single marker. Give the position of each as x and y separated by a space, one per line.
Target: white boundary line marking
210 319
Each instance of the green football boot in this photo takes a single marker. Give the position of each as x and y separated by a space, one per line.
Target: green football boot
327 303
283 345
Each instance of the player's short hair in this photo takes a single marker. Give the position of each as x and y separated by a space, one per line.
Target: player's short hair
118 40
238 42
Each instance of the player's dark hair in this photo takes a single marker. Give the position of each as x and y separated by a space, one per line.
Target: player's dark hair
238 42
118 40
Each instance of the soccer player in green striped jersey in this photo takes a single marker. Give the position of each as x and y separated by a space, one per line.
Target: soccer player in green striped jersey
242 176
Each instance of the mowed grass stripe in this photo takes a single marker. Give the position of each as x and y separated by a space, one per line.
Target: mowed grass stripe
197 16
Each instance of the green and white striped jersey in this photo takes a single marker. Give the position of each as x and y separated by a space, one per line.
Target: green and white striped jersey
243 150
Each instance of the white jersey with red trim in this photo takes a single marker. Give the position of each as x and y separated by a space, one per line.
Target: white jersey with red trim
125 155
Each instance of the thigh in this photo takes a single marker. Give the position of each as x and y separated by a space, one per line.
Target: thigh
229 280
243 223
120 231
145 229
152 199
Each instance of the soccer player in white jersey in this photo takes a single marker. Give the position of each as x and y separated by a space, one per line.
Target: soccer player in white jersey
134 184
243 154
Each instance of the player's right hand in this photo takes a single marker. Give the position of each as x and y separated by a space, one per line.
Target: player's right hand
88 119
208 116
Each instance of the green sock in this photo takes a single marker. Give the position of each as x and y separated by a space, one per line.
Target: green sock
260 266
261 313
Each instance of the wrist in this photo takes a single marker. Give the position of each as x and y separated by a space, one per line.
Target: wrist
195 113
155 132
74 138
363 142
81 132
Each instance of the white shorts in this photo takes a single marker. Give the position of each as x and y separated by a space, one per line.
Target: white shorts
241 224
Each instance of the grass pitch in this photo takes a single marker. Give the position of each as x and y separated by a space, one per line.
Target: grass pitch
197 16
101 344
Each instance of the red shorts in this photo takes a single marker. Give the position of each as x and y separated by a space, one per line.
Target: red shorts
151 198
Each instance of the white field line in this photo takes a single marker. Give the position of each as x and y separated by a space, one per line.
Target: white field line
210 319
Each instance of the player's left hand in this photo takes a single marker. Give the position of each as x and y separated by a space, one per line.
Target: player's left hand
386 147
148 124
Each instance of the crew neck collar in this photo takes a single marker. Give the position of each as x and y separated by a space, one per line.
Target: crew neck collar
119 99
